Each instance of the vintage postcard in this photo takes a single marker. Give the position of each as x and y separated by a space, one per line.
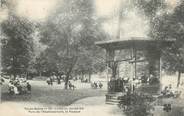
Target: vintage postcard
92 57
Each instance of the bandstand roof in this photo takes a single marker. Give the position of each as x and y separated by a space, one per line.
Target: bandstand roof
139 43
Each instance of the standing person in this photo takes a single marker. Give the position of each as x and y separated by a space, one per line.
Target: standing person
19 88
15 88
28 87
69 84
128 93
51 81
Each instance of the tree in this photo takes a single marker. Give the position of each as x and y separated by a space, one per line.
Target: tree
70 35
17 52
171 26
150 7
166 25
40 64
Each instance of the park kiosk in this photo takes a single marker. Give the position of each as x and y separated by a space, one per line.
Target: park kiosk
137 56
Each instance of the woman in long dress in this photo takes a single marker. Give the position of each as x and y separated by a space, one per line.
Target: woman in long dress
16 90
11 87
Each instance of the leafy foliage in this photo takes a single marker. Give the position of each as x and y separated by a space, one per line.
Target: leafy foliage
70 35
149 7
137 104
171 26
18 49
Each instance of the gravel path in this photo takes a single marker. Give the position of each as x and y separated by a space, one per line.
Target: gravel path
92 106
95 106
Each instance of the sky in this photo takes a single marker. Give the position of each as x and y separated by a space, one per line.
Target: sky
35 9
132 23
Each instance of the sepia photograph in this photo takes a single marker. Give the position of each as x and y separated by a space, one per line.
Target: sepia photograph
92 57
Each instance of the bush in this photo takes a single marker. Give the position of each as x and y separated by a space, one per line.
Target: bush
138 104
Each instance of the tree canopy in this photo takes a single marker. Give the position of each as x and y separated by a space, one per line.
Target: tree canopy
171 26
70 35
18 47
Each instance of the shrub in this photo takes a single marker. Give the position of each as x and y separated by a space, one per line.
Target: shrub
138 104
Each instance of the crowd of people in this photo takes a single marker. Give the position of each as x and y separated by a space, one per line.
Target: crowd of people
96 85
19 86
53 78
58 79
168 91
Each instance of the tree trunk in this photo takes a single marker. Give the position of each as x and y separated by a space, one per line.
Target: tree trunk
89 76
114 70
27 74
179 76
40 74
66 80
69 72
82 76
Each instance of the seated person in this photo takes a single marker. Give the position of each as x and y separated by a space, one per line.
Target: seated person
100 85
71 86
11 87
95 85
48 81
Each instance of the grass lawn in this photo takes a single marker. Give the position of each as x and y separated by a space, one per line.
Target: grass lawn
51 95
